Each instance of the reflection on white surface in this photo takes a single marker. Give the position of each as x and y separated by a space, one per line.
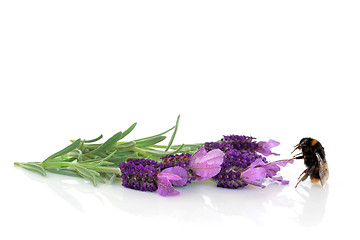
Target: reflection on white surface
314 204
197 202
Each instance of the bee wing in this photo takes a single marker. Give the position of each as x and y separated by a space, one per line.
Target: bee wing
323 169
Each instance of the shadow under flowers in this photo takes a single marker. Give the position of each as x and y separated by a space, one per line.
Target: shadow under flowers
251 203
197 202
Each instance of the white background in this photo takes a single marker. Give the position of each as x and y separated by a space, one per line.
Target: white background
271 69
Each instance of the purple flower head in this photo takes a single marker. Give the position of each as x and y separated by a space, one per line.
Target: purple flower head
139 174
171 176
264 147
206 164
246 143
235 162
181 160
240 142
223 146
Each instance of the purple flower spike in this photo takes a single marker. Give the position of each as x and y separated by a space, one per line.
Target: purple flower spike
181 160
264 147
206 165
139 174
167 177
243 143
235 162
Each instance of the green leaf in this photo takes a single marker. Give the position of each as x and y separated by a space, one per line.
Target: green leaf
94 140
123 153
86 173
110 142
63 171
121 147
160 134
115 170
186 148
157 153
127 131
125 146
97 176
32 167
150 141
107 163
66 150
99 161
117 160
174 133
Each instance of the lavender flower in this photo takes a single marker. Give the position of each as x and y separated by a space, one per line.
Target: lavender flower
235 162
223 146
240 142
148 175
140 174
246 143
181 160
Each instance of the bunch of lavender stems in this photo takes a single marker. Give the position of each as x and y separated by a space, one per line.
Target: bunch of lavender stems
97 162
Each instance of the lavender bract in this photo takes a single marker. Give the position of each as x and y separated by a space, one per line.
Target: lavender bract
171 176
206 164
258 172
264 147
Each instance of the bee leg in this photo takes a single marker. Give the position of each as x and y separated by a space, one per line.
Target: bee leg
307 173
298 157
302 173
303 178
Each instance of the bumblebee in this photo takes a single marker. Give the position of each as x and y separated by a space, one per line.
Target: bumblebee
314 159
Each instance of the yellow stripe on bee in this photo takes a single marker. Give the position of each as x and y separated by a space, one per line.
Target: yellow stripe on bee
315 180
314 142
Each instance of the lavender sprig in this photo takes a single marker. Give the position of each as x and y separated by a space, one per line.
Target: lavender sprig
235 162
96 162
144 164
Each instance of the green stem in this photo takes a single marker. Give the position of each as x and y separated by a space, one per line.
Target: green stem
141 151
107 170
72 164
119 146
57 164
195 145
